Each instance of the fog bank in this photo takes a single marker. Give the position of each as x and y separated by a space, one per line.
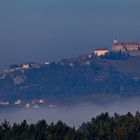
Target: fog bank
73 115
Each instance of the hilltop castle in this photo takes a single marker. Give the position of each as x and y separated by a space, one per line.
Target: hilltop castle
133 48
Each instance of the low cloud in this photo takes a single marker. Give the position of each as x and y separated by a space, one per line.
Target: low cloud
73 115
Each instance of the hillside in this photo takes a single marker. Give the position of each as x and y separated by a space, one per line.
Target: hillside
74 77
129 66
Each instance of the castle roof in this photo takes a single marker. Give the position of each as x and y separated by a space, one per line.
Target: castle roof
127 44
102 49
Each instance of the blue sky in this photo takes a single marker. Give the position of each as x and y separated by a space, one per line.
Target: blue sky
35 30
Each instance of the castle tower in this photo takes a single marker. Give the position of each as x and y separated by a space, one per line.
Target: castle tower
117 46
116 41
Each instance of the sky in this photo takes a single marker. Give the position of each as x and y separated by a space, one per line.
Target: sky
39 30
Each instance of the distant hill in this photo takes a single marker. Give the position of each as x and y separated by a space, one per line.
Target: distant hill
73 77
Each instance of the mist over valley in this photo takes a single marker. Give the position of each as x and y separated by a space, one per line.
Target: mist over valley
73 112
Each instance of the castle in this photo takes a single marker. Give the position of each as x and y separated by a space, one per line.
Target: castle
133 48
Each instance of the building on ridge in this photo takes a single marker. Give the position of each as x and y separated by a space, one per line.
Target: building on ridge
101 51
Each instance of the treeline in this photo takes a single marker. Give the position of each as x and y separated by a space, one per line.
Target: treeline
101 127
116 55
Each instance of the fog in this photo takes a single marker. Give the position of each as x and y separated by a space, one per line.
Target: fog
72 115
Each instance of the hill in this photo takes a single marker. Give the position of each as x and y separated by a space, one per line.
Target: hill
128 66
83 75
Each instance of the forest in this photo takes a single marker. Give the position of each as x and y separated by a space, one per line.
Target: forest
101 127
